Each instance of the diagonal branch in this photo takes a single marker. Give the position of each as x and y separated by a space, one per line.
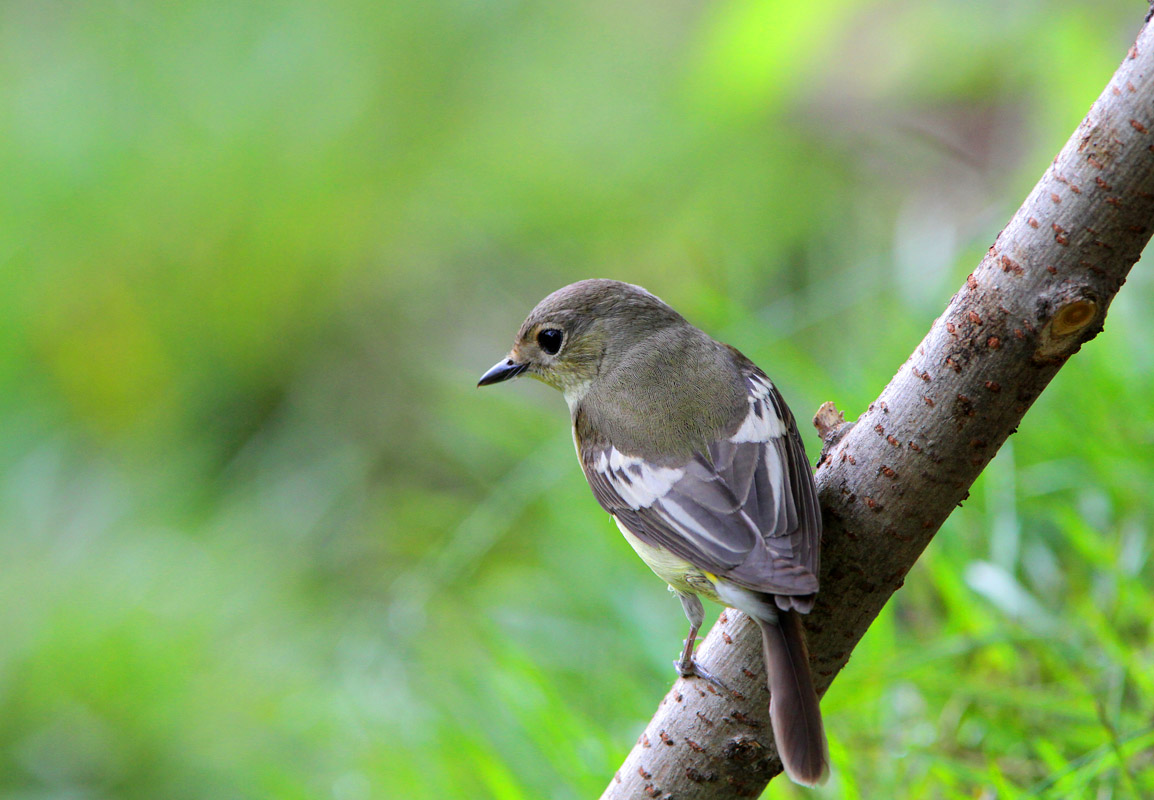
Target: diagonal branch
891 480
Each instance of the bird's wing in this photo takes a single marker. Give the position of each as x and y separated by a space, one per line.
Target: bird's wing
746 509
766 467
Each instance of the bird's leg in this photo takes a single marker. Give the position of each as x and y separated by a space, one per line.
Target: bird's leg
695 613
687 666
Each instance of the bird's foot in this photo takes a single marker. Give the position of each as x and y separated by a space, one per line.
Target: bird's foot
691 668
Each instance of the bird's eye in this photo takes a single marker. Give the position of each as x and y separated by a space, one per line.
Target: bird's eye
550 340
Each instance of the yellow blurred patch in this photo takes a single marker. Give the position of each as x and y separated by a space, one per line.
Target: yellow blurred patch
96 344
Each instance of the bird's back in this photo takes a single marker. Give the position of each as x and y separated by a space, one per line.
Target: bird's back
697 408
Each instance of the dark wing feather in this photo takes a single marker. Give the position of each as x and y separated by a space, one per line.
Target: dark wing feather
782 497
745 510
687 510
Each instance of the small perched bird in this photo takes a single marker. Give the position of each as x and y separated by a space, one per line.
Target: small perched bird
692 450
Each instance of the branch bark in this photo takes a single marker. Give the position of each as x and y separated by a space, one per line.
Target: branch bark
888 482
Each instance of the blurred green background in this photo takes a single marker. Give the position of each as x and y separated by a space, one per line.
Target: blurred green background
261 537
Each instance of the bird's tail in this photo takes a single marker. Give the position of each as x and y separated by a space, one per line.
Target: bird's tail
793 706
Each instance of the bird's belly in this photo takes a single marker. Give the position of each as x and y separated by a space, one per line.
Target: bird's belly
676 571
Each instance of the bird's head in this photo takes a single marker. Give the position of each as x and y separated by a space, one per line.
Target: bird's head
581 331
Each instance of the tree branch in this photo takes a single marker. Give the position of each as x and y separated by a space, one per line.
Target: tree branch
891 480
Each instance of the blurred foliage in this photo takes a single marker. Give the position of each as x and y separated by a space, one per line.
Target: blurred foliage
262 538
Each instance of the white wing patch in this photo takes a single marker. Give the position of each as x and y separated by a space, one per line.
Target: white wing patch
762 422
639 483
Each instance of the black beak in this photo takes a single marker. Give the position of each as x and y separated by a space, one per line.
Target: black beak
502 371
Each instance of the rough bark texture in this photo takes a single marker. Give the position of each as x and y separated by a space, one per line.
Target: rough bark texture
891 479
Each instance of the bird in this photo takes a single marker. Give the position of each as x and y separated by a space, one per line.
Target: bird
692 450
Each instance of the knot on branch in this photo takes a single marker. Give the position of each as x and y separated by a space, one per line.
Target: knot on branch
1070 316
746 754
